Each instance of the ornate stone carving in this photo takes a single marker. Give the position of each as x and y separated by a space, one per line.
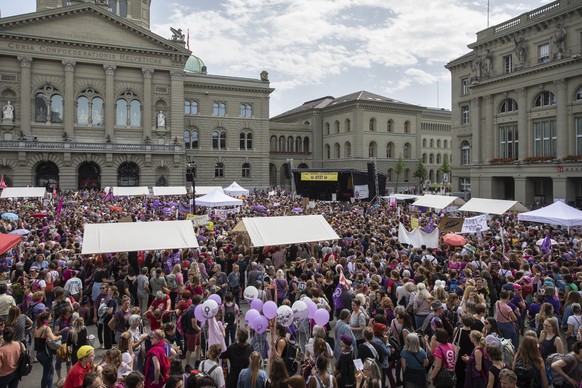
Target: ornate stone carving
109 69
264 75
25 61
69 65
147 73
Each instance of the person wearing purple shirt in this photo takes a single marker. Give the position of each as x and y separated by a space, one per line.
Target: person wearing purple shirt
555 302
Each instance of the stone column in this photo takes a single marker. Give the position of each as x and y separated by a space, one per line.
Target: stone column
564 145
523 127
147 102
475 131
69 103
109 100
489 132
25 97
176 122
560 188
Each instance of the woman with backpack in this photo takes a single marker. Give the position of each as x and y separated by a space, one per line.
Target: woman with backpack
253 376
477 364
211 365
344 369
230 313
42 334
529 365
322 378
414 360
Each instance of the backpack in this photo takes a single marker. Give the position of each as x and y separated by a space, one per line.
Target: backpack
24 362
201 379
30 313
229 314
184 322
394 348
453 285
554 377
507 351
524 373
59 307
289 356
395 284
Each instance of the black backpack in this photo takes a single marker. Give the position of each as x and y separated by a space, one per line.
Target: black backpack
229 315
394 348
24 362
290 356
186 320
525 374
201 379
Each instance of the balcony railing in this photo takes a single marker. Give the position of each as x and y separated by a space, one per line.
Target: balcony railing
95 147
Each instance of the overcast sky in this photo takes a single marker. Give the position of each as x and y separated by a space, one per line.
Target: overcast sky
316 48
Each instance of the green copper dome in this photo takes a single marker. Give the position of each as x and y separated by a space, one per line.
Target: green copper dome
195 65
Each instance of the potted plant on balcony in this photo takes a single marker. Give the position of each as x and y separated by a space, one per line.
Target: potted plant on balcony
538 159
497 161
573 158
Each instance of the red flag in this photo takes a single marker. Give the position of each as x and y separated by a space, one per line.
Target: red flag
188 40
2 184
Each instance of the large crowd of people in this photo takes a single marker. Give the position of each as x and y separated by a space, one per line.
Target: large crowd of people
499 311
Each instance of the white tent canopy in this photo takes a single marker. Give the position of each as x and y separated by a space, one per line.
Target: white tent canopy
558 213
217 198
138 236
169 190
264 231
128 191
23 192
203 190
438 201
492 206
235 190
401 197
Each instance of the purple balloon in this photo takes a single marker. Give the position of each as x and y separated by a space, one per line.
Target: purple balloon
216 298
270 309
311 309
198 313
321 317
260 324
257 304
250 317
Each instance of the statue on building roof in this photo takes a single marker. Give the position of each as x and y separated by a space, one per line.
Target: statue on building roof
488 63
177 35
264 75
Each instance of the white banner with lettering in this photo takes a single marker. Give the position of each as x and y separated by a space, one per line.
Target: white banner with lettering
475 224
361 191
417 237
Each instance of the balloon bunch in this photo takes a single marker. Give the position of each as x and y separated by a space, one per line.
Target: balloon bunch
208 309
301 309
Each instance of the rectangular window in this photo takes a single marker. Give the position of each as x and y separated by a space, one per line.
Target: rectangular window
465 184
465 114
465 86
544 53
508 64
579 135
508 141
545 138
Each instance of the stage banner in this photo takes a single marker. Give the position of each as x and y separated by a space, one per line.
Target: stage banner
451 224
361 191
319 176
198 220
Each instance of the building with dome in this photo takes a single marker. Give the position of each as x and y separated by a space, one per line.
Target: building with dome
92 98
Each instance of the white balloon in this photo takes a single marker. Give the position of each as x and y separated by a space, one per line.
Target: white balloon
285 315
250 293
209 309
300 310
305 298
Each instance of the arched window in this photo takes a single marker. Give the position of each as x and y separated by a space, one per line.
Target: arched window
327 151
579 94
372 149
281 143
290 144
465 153
390 175
431 143
306 145
407 127
191 139
348 149
438 159
161 181
390 126
348 124
47 173
219 139
190 107
187 140
445 144
246 140
89 108
48 106
273 144
246 110
407 151
219 170
327 126
246 170
390 150
439 143
219 109
298 144
336 126
128 174
424 158
128 110
545 98
508 105
372 124
431 158
424 143
406 175
89 176
336 151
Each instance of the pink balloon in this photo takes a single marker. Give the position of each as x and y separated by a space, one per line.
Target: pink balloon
260 324
198 313
216 298
250 317
270 309
321 317
311 309
257 304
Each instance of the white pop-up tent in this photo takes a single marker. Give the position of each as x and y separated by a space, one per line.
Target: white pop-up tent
558 213
217 198
236 190
438 201
138 236
169 190
23 192
266 231
491 206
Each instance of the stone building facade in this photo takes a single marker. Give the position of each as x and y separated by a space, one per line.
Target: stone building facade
349 131
92 98
517 108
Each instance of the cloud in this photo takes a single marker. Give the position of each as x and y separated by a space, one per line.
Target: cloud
421 76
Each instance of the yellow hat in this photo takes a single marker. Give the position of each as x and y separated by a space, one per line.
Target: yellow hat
85 351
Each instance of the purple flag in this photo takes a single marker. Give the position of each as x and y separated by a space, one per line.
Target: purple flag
337 297
546 244
109 195
59 209
183 208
